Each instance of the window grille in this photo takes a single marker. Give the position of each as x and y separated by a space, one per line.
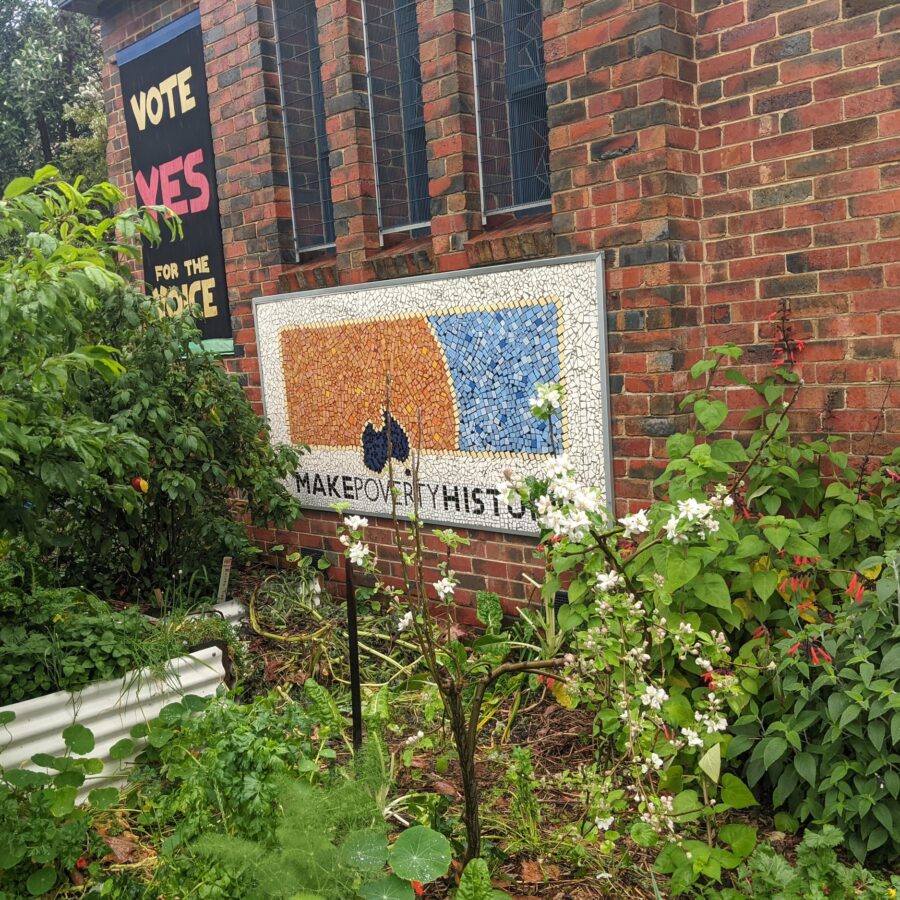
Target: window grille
395 109
510 93
303 105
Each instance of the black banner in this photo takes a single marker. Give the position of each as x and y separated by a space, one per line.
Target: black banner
163 80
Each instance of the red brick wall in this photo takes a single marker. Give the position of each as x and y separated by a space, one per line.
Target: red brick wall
728 155
800 143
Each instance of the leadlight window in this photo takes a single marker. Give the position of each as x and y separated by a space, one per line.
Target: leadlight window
511 99
395 108
303 105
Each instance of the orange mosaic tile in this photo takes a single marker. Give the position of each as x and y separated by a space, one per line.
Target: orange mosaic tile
335 377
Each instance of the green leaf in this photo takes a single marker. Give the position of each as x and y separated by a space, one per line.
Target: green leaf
421 854
103 798
390 888
787 823
680 570
735 793
78 739
643 835
6 716
365 850
488 609
63 801
712 589
711 762
15 188
764 583
679 445
41 882
890 662
11 854
805 764
774 749
701 366
710 414
739 837
777 536
475 883
122 749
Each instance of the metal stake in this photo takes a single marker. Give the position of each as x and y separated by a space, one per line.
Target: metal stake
353 643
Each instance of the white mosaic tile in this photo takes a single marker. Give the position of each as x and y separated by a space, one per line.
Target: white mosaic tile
464 353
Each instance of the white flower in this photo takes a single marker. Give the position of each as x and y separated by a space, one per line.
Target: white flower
635 524
654 697
359 553
609 581
604 824
693 739
346 540
404 621
656 761
414 738
354 523
445 588
548 399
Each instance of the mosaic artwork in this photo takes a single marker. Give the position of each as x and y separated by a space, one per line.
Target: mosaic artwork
464 355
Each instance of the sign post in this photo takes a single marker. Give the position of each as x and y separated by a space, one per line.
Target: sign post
163 80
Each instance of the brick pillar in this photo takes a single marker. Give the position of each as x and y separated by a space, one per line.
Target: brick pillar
624 165
448 96
342 49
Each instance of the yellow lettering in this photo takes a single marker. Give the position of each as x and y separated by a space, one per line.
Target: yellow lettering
184 90
209 308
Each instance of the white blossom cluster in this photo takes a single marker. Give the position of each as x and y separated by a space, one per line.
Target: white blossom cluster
567 506
405 621
445 587
638 523
693 517
548 400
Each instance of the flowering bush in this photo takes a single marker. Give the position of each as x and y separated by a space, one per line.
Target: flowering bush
777 549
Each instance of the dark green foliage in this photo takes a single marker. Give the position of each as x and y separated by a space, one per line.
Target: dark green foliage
50 91
64 639
817 875
42 832
222 770
99 390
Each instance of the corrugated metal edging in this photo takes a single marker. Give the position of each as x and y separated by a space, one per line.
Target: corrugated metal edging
110 709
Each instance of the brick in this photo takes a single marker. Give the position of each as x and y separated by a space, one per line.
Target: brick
808 16
759 9
782 99
875 204
854 132
813 65
782 49
782 194
788 285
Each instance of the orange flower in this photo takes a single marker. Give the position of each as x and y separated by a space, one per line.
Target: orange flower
417 887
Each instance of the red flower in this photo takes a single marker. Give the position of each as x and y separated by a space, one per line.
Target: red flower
417 887
856 589
892 475
762 630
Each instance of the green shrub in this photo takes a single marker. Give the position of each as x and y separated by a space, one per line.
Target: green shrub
121 444
64 639
817 875
43 834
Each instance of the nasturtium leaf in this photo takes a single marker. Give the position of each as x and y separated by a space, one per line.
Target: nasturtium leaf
390 888
11 853
103 798
121 749
6 716
785 822
735 793
193 703
41 882
365 850
421 854
63 801
78 739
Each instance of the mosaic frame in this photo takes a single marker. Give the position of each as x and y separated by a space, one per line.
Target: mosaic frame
574 286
